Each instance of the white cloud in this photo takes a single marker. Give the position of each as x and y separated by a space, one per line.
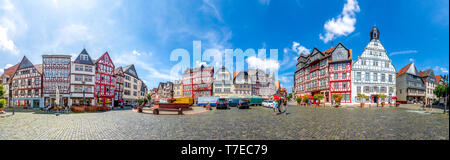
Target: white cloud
444 70
6 5
140 63
136 53
208 6
403 52
264 2
7 66
6 44
299 49
11 24
344 24
264 64
440 69
411 60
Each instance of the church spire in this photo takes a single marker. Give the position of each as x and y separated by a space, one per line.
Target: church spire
375 33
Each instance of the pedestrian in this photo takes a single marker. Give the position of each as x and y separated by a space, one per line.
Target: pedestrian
279 106
274 105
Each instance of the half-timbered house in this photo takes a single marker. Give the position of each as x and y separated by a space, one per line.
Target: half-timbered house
56 69
373 73
118 91
26 85
104 82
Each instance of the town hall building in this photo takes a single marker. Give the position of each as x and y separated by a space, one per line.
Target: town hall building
373 72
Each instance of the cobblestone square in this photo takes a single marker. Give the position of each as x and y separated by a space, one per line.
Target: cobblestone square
257 123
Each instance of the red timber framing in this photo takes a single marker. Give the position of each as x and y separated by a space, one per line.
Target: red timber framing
340 69
315 73
104 81
343 70
201 81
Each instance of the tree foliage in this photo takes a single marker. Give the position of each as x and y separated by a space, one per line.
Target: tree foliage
440 91
319 97
337 97
2 100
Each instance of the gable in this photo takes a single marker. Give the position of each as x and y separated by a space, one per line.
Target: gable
340 53
412 70
131 71
25 63
84 58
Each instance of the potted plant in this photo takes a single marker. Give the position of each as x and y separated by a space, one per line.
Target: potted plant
363 97
337 99
318 97
140 103
396 103
2 105
383 98
305 100
299 100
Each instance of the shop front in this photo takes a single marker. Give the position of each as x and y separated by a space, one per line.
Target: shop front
28 102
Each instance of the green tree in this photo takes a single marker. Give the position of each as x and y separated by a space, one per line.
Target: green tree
382 97
440 91
337 98
318 97
305 99
2 100
2 91
141 101
299 100
290 96
149 97
362 97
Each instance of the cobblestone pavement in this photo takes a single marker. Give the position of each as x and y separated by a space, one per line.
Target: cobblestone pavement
257 123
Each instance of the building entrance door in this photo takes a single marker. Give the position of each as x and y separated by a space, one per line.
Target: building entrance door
374 99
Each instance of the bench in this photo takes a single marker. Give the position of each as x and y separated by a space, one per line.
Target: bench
178 107
179 110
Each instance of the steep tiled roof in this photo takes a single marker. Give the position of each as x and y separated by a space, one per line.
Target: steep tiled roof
329 50
438 78
81 60
38 68
403 70
130 70
10 71
422 73
117 70
25 63
350 51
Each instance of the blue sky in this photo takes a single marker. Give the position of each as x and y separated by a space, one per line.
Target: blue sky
145 32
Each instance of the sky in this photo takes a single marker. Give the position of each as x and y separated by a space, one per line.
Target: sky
146 32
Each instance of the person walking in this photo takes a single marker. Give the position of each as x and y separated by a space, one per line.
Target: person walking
274 105
279 106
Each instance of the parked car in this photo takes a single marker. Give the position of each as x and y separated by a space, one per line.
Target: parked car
268 104
222 104
233 102
244 104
